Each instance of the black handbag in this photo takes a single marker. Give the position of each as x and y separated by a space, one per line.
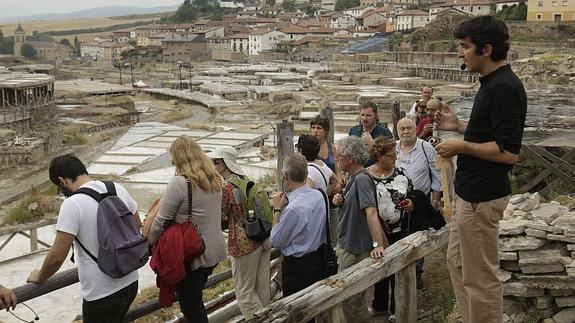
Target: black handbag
330 266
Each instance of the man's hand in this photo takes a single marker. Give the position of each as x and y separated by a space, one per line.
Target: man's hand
435 204
447 120
337 199
377 252
450 147
34 277
278 200
428 128
367 138
7 298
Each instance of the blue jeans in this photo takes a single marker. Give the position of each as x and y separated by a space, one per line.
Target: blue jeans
189 292
110 309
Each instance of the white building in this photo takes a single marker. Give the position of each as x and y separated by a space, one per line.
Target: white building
240 43
410 19
264 40
356 12
471 7
342 21
328 5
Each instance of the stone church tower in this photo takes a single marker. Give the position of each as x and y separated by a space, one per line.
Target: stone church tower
19 40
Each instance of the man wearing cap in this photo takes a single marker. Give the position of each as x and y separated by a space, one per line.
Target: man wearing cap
250 259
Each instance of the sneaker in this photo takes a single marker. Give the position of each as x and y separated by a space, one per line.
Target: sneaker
391 318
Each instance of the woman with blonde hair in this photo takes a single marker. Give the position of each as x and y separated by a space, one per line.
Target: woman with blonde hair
193 169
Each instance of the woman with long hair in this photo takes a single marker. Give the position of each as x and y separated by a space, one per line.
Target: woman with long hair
319 128
193 165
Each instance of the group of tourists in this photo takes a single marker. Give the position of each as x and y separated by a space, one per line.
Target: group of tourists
356 196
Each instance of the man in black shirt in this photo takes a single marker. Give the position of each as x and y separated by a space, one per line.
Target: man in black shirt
491 144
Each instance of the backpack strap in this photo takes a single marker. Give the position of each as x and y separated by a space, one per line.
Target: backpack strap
326 200
428 166
98 197
189 182
111 188
320 172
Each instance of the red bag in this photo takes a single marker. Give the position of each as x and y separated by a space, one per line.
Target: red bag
194 245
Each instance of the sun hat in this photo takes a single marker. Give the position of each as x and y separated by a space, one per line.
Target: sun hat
229 156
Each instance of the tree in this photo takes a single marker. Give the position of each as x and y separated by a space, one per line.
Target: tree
345 4
65 41
28 51
77 46
288 5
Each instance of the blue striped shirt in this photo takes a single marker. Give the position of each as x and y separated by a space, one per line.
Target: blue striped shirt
301 228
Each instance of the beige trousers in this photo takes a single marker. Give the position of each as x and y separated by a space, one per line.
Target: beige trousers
355 307
251 274
473 260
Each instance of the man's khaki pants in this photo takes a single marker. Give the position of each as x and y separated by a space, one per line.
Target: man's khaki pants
473 259
355 307
251 274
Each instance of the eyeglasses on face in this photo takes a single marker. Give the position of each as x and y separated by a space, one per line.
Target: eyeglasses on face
217 161
391 155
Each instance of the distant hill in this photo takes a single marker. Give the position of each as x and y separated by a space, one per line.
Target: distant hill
7 14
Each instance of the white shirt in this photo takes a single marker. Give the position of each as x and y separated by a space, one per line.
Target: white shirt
319 177
78 217
418 163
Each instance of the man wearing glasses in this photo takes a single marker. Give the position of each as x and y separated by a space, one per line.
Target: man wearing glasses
105 299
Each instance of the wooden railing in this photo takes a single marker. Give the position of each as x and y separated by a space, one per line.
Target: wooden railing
21 229
327 295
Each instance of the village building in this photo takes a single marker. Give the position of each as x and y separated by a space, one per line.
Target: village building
51 51
184 48
341 21
357 11
411 19
240 43
19 40
551 10
472 7
328 5
261 40
373 21
123 36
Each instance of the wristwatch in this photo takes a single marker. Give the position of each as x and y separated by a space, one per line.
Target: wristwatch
375 245
278 210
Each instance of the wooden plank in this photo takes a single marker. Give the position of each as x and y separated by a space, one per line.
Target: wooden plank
285 147
544 162
406 295
335 315
27 226
525 188
45 244
445 166
327 113
563 161
33 239
395 116
8 240
325 294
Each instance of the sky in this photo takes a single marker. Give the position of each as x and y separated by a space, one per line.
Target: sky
27 7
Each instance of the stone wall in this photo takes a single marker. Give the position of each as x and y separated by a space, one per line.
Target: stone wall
537 258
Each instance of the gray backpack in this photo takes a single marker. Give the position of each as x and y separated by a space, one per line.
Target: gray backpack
123 248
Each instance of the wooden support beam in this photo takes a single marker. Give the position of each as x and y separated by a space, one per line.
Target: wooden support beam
284 132
395 116
554 169
327 113
8 240
325 294
406 295
38 241
27 226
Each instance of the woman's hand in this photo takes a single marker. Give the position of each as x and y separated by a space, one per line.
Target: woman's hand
408 206
337 199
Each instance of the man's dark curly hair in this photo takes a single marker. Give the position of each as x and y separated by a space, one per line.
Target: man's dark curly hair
485 30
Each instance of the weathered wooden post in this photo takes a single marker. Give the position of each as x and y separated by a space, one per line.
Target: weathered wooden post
33 239
395 116
406 295
327 113
285 147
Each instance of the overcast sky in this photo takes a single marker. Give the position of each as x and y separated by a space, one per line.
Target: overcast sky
63 6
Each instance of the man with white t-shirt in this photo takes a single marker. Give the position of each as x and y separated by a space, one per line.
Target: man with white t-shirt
426 93
105 299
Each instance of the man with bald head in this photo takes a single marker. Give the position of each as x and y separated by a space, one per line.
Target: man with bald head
425 127
417 157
